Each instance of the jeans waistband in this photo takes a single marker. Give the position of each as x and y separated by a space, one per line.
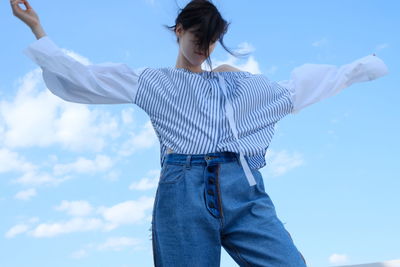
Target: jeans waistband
201 159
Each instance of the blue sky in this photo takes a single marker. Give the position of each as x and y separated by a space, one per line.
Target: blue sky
77 182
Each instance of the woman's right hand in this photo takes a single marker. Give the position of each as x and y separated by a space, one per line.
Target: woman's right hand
27 15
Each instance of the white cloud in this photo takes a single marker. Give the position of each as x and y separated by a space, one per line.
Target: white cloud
127 212
79 128
245 47
73 225
12 161
32 178
16 230
75 208
338 258
118 243
146 138
21 227
148 182
26 194
111 244
392 263
251 65
36 117
279 163
112 175
127 116
82 165
79 254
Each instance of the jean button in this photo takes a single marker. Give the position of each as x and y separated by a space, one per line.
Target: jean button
210 192
211 168
211 181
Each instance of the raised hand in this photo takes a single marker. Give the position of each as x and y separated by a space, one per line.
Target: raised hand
27 15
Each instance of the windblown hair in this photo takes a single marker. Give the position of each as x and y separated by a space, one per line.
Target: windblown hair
204 20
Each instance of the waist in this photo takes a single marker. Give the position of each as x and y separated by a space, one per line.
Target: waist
201 159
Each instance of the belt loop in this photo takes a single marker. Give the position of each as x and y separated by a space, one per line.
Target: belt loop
188 159
237 156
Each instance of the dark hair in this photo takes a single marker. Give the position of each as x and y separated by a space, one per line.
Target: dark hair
206 23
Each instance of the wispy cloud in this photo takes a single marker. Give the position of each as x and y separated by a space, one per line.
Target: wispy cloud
251 65
322 42
146 138
281 162
338 258
79 254
75 208
86 166
118 243
115 243
16 230
26 194
382 46
150 181
87 218
76 224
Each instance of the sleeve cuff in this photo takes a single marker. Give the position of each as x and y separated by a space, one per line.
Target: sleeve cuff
379 68
44 45
374 66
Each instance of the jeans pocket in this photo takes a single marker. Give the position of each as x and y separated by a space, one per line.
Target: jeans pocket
171 173
259 180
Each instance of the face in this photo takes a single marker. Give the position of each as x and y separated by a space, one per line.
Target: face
188 48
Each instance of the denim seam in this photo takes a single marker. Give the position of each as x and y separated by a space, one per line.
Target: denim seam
219 196
296 247
237 252
155 238
175 181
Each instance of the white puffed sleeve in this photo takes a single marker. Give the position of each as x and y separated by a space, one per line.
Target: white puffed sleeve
104 83
310 83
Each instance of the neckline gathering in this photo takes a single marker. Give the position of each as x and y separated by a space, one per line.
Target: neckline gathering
210 73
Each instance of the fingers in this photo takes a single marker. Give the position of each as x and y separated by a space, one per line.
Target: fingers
14 4
28 6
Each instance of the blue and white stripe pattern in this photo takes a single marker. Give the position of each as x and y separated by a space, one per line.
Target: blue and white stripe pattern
199 113
190 111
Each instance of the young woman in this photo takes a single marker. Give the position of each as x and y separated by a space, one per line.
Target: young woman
214 129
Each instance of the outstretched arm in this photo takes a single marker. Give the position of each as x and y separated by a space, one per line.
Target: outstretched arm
71 80
310 83
28 16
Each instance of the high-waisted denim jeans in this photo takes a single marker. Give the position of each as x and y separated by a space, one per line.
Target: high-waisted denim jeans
203 202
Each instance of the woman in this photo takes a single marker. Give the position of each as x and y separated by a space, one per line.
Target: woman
214 129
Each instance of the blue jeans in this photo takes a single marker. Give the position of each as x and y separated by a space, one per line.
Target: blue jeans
203 202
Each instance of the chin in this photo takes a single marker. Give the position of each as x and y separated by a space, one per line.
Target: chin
197 62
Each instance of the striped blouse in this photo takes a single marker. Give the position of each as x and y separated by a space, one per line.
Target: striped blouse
201 112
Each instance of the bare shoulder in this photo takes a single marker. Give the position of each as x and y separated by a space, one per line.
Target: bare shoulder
226 67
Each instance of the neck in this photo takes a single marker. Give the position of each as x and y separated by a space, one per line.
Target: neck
182 63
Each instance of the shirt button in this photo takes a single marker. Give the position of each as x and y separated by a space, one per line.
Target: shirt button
210 192
211 204
211 181
211 168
